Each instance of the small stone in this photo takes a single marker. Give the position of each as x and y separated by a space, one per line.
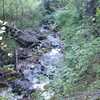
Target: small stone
40 86
32 66
10 54
1 38
4 23
3 28
2 43
93 19
5 45
1 21
2 31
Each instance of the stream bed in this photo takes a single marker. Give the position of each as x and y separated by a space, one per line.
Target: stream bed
38 68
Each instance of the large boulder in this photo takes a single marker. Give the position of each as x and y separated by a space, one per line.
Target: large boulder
25 38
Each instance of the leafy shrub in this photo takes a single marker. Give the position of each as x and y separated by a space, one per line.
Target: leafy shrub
80 67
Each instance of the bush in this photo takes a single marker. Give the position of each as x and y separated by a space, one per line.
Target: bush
80 67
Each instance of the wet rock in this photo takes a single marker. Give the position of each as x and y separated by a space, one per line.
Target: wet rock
1 63
5 59
22 86
45 44
25 86
33 73
36 72
3 84
24 59
8 95
27 97
52 57
54 41
25 38
9 75
23 53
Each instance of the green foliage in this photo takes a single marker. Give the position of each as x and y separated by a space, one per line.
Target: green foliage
18 7
81 66
3 98
6 42
23 13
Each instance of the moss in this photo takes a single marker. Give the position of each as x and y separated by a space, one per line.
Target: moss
3 98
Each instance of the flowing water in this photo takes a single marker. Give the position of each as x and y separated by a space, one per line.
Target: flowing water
36 75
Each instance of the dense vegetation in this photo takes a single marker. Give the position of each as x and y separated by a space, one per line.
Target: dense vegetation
78 26
79 33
